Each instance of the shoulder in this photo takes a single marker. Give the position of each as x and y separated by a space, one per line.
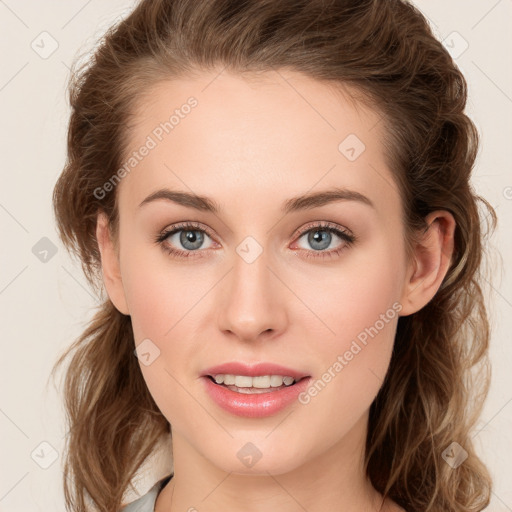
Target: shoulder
146 503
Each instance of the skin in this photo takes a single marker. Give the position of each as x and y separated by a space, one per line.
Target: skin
250 146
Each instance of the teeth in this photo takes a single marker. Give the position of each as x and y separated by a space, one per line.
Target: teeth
262 382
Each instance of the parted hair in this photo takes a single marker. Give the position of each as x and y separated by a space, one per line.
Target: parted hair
385 52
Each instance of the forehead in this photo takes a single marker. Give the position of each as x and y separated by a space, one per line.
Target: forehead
254 136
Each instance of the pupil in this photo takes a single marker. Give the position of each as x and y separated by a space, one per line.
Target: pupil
319 236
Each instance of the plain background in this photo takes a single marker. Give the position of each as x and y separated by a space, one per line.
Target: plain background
45 304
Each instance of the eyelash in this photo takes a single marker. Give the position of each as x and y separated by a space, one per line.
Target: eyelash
348 238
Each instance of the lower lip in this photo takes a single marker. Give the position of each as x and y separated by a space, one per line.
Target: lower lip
257 405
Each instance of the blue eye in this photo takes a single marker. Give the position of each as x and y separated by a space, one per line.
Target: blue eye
190 240
192 236
319 237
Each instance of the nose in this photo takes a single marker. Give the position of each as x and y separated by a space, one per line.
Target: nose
252 301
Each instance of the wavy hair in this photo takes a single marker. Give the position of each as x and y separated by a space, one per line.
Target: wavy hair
386 53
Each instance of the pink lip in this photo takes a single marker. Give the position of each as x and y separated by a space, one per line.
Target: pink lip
256 405
235 368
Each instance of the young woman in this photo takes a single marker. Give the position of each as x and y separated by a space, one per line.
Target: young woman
276 198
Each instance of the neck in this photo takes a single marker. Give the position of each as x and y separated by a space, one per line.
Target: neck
331 481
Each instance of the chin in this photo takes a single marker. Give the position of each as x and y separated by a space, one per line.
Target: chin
255 458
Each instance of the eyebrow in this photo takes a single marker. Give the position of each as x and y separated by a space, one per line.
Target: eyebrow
304 202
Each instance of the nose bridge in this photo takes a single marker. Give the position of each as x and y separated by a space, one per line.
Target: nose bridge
253 300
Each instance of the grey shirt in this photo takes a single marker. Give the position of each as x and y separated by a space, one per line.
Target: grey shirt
146 503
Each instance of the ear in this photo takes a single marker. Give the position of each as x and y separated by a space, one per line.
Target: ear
110 265
430 262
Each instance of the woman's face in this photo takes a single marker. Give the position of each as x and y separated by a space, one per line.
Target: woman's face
261 279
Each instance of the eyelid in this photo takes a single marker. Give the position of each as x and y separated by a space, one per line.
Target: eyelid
299 232
344 234
184 226
322 225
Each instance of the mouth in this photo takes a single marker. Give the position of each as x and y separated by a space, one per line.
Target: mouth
254 391
254 384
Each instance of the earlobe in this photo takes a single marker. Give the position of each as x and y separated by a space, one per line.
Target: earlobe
110 265
431 261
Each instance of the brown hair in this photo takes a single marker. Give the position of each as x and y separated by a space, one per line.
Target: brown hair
385 52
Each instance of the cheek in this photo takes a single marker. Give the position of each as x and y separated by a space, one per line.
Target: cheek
360 307
362 293
354 364
160 303
155 295
164 303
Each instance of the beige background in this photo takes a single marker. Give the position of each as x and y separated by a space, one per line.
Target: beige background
45 305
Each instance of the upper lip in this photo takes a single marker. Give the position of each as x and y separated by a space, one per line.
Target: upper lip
253 370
